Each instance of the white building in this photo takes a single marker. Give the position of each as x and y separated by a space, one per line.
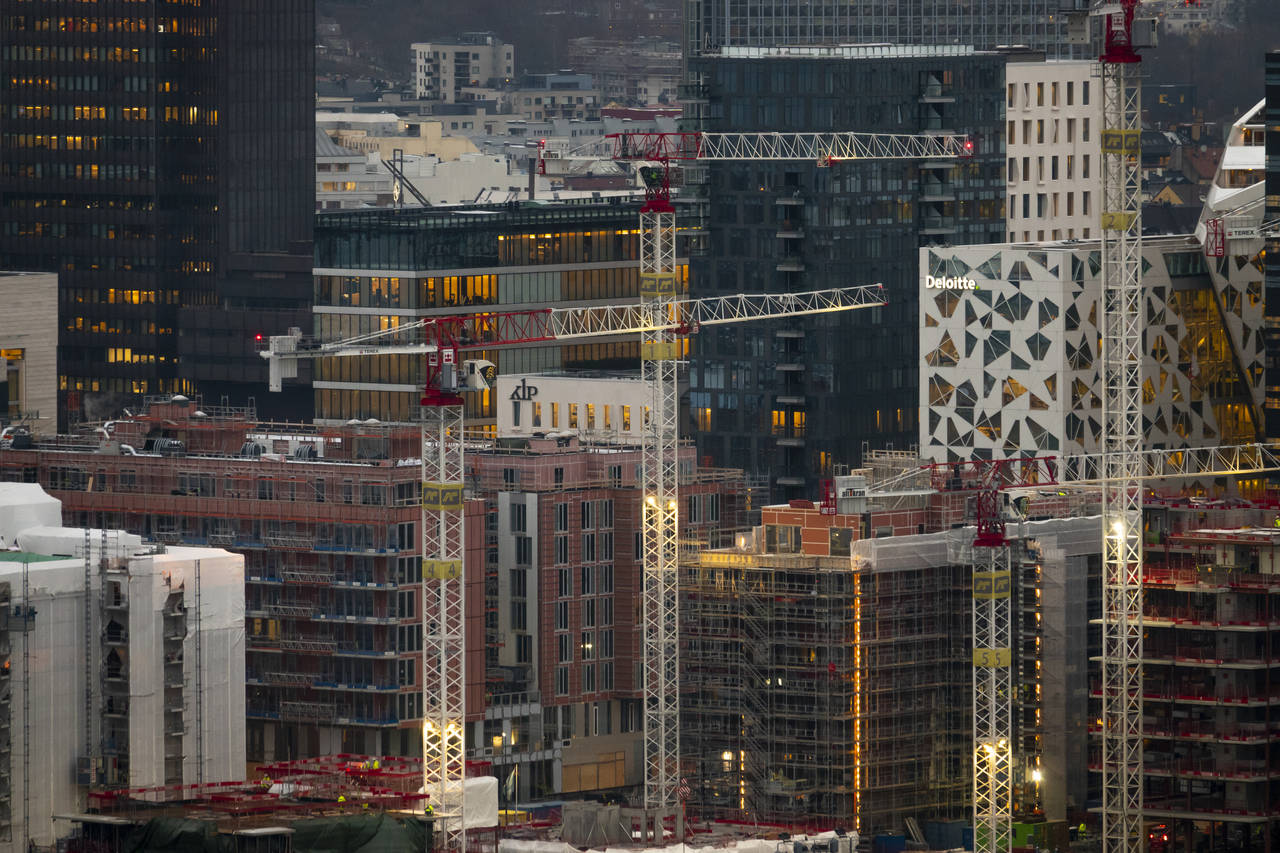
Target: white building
442 68
1009 345
1053 111
596 408
28 350
141 683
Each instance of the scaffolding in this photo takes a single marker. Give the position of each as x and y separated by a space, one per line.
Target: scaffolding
813 694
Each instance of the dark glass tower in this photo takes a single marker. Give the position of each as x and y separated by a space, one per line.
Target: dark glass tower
159 157
793 399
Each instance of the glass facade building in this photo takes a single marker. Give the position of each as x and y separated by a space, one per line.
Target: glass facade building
985 24
377 269
158 157
793 399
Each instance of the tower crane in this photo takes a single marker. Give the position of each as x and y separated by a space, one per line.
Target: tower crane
444 341
660 354
993 688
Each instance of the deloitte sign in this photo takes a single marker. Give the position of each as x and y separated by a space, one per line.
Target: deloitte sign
945 283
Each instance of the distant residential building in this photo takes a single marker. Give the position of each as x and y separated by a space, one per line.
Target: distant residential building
29 350
564 95
153 651
1053 112
384 133
639 72
442 68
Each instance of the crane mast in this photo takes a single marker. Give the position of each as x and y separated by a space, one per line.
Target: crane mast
660 318
1122 354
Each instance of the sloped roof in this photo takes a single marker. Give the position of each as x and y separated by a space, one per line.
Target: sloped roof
326 147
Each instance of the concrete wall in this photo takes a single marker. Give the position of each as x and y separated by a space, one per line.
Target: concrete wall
29 339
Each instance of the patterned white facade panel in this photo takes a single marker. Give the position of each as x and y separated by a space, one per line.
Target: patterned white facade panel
1010 360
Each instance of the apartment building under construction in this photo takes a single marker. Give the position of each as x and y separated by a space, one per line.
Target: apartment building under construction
829 659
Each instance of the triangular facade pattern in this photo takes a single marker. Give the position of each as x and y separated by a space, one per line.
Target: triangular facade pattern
1030 329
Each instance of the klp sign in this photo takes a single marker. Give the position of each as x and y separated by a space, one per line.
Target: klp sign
946 283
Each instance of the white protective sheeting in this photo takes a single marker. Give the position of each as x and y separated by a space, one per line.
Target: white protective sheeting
515 845
69 541
212 669
55 646
481 797
23 506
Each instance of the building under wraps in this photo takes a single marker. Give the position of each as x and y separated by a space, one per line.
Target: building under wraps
829 661
123 664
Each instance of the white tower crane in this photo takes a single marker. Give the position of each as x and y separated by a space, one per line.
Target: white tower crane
443 340
661 353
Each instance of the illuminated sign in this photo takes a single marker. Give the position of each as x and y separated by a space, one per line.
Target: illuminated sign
11 354
949 283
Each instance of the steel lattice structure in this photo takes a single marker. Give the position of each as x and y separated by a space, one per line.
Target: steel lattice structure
659 351
1122 352
992 697
444 692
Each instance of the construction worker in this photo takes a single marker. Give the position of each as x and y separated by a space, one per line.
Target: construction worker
1082 832
431 810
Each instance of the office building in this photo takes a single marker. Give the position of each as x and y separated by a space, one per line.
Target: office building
1053 115
29 351
984 24
441 69
374 269
830 657
795 398
162 166
136 679
1009 336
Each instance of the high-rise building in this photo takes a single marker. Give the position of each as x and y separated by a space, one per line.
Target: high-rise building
793 398
160 161
984 24
1053 111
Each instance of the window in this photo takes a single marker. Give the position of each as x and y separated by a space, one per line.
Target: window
1071 206
1084 130
1053 168
555 416
562 516
524 550
1071 92
1013 170
1084 205
509 477
1040 131
1071 166
606 675
519 517
518 620
562 681
1053 97
606 579
1040 169
1026 206
537 414
557 475
562 615
626 419
564 584
1011 97
519 583
606 611
606 545
1071 130
1084 93
562 550
713 507
588 645
607 506
1039 94
573 416
588 550
694 509
524 649
589 612
564 649
408 570
406 604
588 518
1084 166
